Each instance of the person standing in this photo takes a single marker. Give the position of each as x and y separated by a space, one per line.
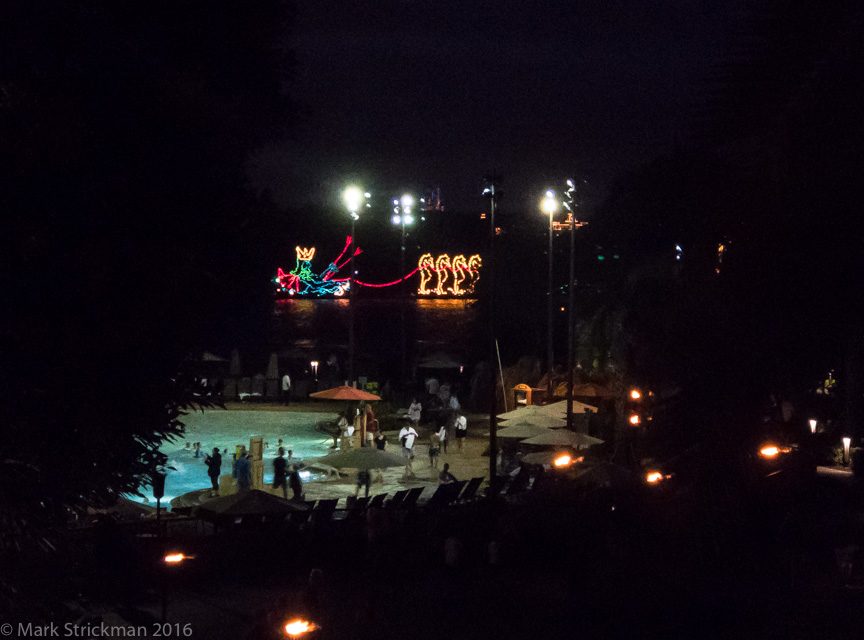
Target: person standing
296 485
371 427
414 410
461 430
280 472
360 425
434 448
442 438
286 389
407 436
214 468
243 470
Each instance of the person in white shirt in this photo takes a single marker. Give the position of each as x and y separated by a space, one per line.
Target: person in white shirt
286 389
414 410
442 433
461 430
407 436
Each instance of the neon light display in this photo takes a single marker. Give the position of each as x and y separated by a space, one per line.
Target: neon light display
456 277
303 281
457 271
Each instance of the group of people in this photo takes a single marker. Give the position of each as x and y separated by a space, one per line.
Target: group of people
362 425
285 471
455 426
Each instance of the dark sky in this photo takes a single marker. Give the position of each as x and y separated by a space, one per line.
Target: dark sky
413 94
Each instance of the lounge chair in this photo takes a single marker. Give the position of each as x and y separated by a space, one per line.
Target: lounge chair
377 501
356 504
438 498
412 497
397 498
470 491
323 511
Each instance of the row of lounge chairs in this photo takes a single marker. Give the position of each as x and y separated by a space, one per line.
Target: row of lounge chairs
445 494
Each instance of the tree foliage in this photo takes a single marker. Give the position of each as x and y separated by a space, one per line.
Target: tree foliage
129 236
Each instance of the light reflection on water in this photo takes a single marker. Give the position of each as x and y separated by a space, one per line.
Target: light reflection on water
315 328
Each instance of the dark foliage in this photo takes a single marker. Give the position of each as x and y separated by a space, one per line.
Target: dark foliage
779 191
129 235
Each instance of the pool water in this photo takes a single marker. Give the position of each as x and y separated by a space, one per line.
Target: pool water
226 429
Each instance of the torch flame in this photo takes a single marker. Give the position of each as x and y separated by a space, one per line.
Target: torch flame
297 628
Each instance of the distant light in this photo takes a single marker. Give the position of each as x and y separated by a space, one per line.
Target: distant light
409 219
601 257
397 219
353 198
812 425
367 195
549 204
653 477
175 558
635 419
570 183
407 200
635 395
396 202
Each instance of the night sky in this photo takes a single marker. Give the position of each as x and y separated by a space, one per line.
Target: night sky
418 94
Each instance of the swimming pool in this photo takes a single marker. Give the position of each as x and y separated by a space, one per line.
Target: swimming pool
226 429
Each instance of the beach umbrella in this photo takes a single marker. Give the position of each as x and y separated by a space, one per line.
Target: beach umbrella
363 458
592 390
526 410
562 437
344 392
248 503
521 430
538 420
234 368
543 457
560 408
273 367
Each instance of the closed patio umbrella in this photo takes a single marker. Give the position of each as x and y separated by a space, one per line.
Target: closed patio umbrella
537 420
249 503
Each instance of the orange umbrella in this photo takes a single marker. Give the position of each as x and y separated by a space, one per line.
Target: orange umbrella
344 392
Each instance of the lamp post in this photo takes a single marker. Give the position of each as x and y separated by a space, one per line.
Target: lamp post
549 205
570 205
354 197
489 192
402 217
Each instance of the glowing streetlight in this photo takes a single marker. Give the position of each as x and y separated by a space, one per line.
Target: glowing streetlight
314 365
549 205
354 199
635 419
847 442
653 477
635 394
812 422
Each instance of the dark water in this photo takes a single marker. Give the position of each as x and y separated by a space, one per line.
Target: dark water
306 330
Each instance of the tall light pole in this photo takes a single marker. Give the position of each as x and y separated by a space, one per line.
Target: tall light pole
489 192
549 205
354 198
570 205
402 217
